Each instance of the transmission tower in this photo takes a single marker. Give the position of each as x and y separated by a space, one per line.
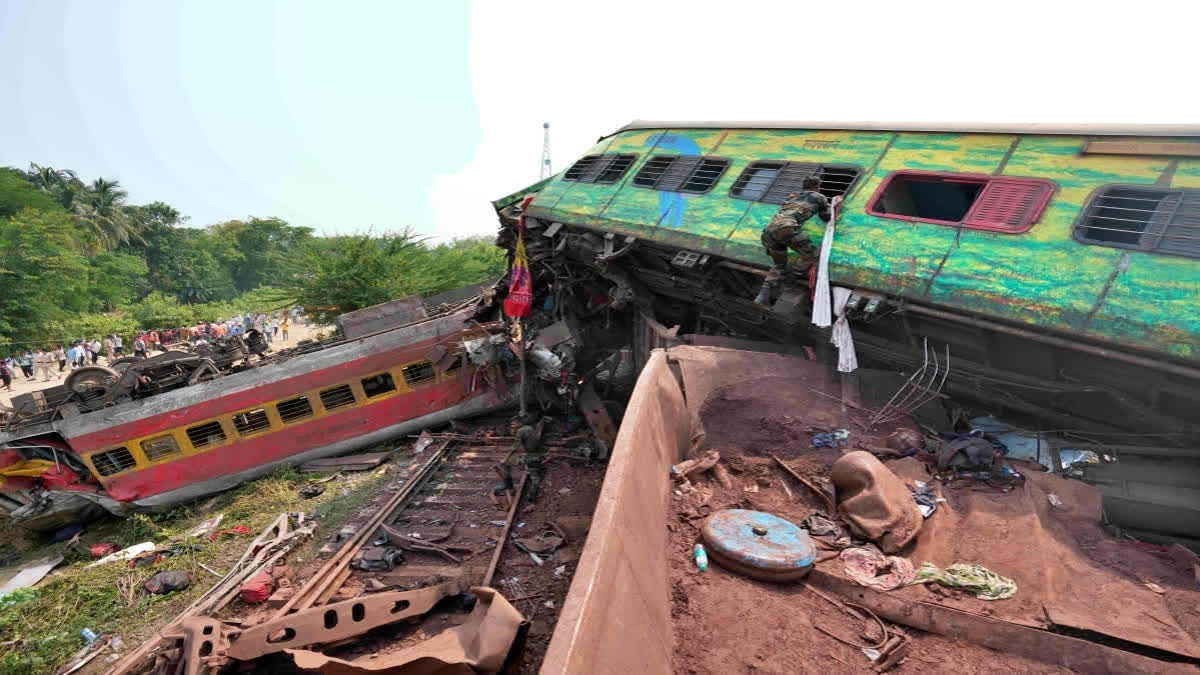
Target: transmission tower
545 151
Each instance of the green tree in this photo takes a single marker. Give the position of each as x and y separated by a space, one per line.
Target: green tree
17 192
43 274
102 212
333 275
260 249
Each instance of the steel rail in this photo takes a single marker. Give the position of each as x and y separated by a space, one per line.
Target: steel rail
333 569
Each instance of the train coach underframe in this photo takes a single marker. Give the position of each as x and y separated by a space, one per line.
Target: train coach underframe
1135 408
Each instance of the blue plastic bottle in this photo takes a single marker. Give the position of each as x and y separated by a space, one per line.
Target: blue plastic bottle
701 557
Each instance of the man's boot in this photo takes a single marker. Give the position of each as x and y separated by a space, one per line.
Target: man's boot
763 299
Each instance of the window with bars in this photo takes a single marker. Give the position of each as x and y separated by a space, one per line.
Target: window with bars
978 202
251 422
418 372
113 461
772 182
294 409
203 435
158 448
600 168
681 173
377 385
1143 218
337 397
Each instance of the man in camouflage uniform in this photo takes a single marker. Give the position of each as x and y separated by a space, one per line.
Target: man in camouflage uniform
786 231
528 450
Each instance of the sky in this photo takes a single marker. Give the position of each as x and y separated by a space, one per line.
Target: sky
355 115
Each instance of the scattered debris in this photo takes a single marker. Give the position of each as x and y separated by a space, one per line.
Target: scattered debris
986 584
126 554
701 556
206 527
820 526
260 587
237 529
544 543
831 439
870 567
310 491
167 581
1155 587
101 549
925 498
680 471
824 496
377 559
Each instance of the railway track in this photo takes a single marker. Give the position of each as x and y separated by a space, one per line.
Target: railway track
442 519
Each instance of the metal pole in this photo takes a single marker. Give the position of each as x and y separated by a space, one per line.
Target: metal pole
521 360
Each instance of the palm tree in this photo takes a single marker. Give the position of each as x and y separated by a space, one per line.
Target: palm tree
101 209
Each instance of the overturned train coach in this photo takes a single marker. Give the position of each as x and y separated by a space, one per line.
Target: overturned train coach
393 370
1056 266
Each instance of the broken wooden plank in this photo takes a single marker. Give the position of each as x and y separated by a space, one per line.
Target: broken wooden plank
348 463
1053 648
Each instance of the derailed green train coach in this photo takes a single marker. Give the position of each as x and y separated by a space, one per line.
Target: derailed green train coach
1057 265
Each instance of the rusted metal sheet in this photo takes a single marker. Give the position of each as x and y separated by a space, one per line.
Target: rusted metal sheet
1078 655
383 316
338 621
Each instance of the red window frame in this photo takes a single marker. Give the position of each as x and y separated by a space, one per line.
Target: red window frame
1005 204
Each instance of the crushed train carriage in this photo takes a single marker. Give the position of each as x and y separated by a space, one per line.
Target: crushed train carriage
182 424
1056 266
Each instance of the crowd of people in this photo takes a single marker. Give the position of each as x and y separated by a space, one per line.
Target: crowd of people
56 361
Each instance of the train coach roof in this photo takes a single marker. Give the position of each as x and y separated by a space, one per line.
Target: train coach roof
1035 128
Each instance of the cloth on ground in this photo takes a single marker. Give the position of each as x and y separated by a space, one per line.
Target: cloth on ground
926 500
820 526
870 567
986 584
168 581
874 502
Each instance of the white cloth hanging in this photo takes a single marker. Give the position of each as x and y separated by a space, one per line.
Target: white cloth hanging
847 357
822 316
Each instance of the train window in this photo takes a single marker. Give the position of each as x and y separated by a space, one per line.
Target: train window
418 372
337 397
600 168
112 461
158 448
251 422
377 385
772 182
1143 218
294 409
681 173
204 435
995 203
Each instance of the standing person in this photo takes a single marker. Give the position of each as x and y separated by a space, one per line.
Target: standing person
118 344
25 360
283 325
6 374
94 348
39 365
786 231
154 340
108 348
61 356
275 325
139 346
73 355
